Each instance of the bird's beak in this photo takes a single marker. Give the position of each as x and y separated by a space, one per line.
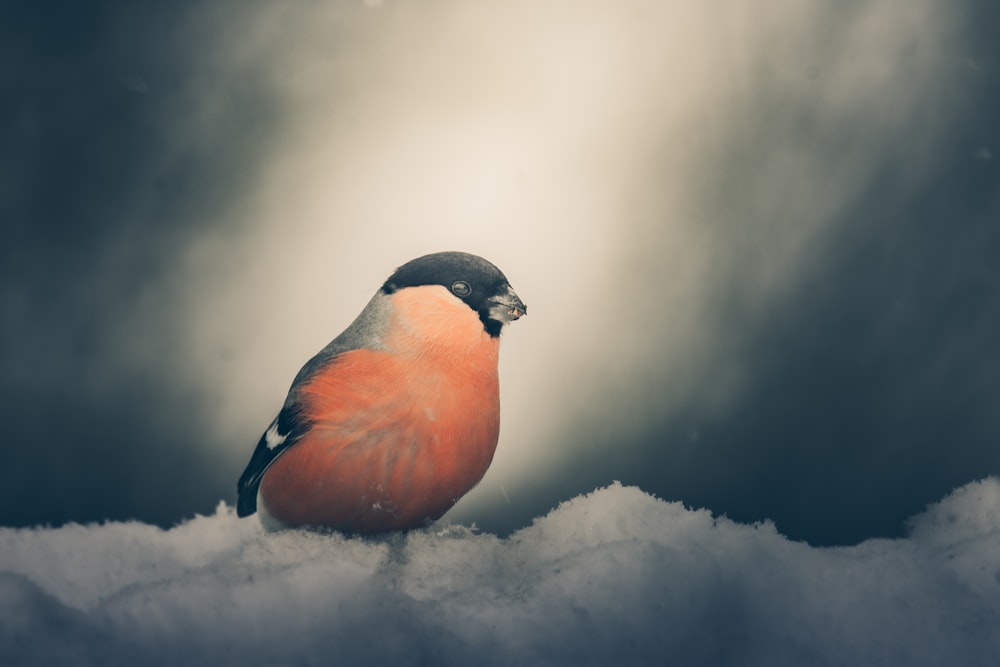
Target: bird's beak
507 306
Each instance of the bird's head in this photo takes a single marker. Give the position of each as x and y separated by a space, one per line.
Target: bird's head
469 278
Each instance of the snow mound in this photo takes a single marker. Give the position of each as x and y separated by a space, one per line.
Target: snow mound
613 577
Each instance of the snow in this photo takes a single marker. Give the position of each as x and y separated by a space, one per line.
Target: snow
613 577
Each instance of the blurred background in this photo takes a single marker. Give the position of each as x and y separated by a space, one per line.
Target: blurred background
760 245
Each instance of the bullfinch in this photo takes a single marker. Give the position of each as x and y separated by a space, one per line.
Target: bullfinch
398 417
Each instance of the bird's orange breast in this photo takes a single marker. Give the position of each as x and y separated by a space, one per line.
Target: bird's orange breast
397 437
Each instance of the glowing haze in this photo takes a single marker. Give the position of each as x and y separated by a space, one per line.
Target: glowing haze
757 242
638 170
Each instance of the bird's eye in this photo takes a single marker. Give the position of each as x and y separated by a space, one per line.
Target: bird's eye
461 288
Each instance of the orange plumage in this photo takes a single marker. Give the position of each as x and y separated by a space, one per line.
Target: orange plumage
390 434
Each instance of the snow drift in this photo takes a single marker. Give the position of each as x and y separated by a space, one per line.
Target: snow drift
613 577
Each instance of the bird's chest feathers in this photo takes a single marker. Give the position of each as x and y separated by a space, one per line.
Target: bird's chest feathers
434 380
445 358
430 323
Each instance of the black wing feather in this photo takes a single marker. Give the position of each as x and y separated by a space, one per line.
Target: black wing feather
290 426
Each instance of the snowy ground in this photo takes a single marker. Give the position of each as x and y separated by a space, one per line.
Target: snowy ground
614 577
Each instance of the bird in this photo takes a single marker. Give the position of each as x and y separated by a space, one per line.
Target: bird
398 417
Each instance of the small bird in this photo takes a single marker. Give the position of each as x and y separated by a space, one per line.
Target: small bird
398 417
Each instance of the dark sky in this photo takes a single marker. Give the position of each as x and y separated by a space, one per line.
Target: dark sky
761 249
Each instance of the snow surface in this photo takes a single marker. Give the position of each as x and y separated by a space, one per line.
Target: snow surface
613 577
